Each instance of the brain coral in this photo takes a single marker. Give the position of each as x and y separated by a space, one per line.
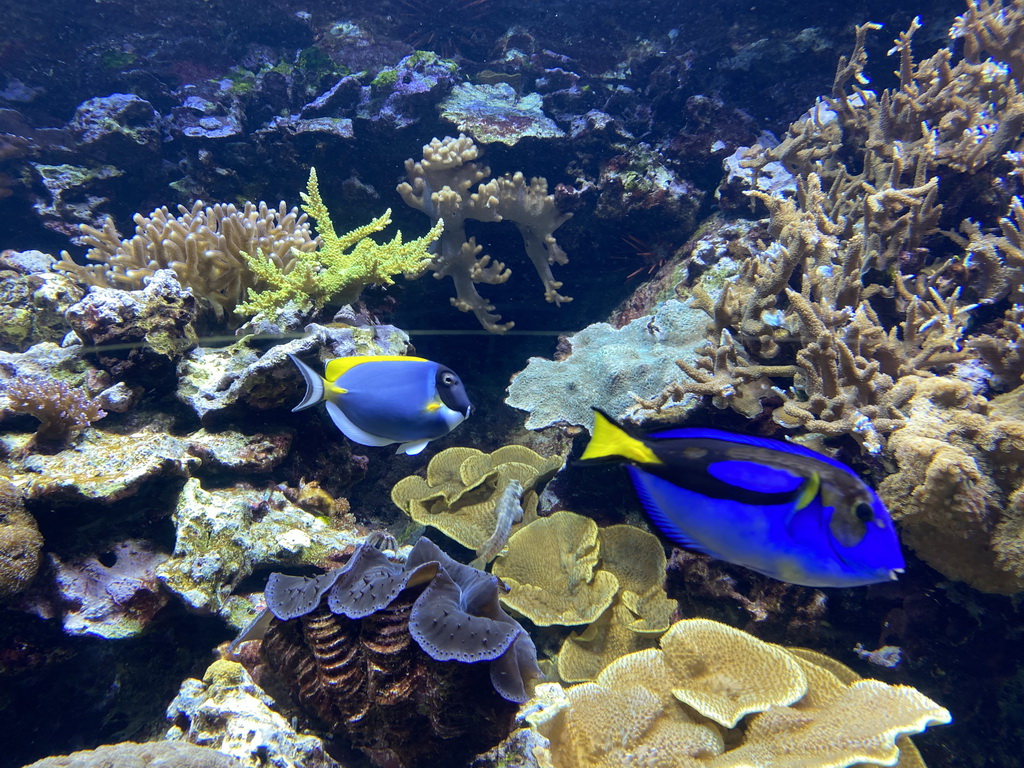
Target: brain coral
640 710
391 654
20 542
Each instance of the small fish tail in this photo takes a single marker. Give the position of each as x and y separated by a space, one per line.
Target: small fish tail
314 385
611 441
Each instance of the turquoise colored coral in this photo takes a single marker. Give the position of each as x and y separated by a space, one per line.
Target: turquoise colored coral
340 268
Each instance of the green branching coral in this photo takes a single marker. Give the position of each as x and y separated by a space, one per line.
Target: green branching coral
339 269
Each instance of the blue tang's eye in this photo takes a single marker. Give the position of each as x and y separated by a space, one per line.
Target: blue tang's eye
864 512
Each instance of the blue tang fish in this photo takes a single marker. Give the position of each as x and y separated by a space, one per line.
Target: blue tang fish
382 399
777 508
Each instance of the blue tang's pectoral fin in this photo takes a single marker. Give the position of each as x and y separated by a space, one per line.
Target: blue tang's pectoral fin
351 431
659 498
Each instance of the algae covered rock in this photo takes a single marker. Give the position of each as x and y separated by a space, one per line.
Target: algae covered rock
20 542
229 712
154 754
141 331
224 534
214 382
33 300
115 595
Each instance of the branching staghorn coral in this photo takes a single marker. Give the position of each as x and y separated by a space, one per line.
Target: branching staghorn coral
338 270
440 186
848 298
203 245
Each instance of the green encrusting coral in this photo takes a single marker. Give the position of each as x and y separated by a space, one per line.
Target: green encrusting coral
337 271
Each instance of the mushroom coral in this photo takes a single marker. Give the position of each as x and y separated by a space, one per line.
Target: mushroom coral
462 493
638 711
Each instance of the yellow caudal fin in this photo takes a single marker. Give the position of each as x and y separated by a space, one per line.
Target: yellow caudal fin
610 441
340 365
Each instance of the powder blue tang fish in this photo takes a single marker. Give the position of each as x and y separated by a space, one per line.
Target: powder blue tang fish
777 508
383 399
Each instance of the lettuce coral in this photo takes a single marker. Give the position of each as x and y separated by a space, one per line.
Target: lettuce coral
462 493
681 705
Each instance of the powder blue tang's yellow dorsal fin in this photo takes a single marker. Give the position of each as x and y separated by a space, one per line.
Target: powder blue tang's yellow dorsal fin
342 365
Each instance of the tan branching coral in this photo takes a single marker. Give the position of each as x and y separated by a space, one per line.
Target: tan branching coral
462 491
440 185
632 714
202 244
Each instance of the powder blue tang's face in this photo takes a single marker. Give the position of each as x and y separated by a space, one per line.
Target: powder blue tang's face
776 508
